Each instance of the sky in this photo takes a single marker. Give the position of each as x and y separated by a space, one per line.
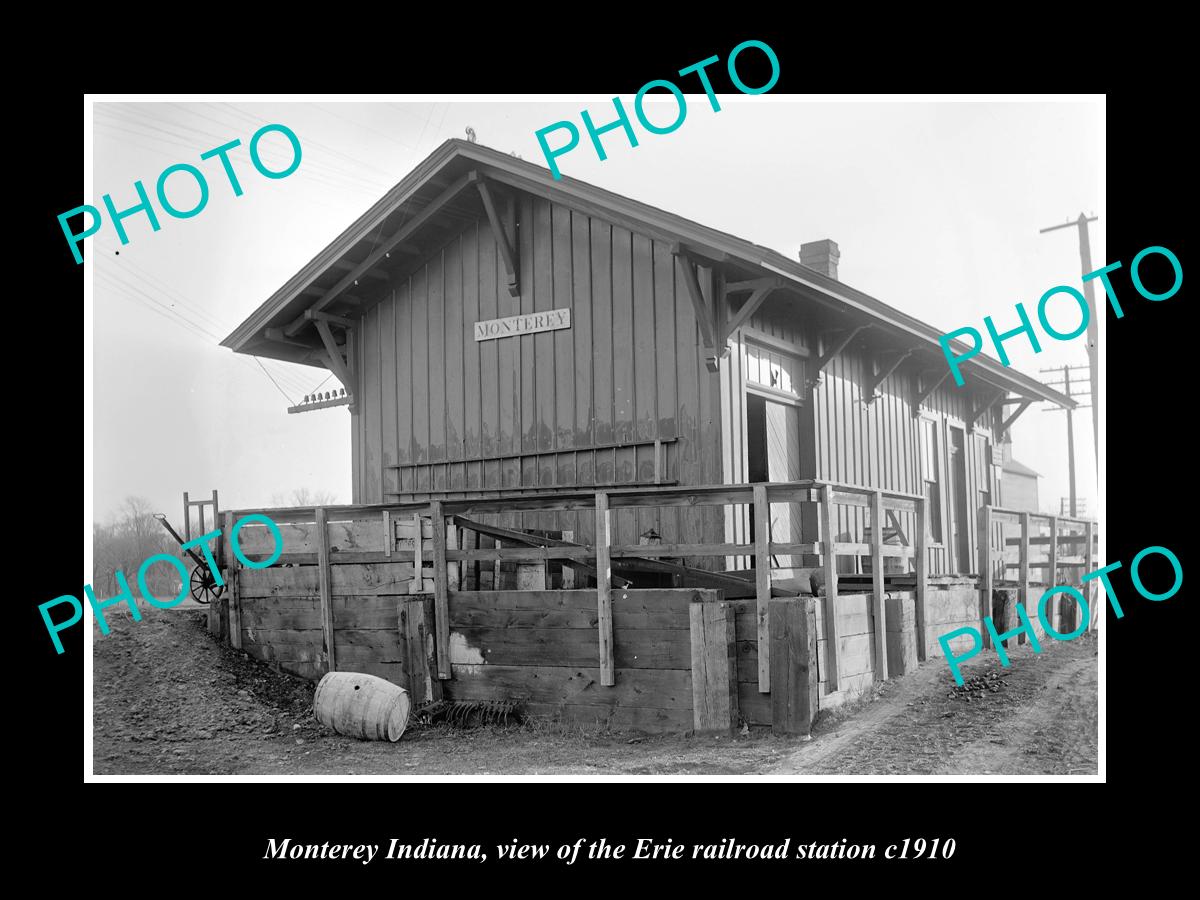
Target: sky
936 208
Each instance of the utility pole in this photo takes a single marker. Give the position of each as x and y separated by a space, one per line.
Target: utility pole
1093 328
1066 385
1070 441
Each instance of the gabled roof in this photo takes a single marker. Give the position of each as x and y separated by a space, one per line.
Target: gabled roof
436 190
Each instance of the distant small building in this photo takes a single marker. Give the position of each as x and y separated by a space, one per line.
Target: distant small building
1018 486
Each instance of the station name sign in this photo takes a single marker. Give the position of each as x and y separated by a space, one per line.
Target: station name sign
530 323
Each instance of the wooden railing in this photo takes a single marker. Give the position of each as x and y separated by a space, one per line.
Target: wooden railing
363 537
992 559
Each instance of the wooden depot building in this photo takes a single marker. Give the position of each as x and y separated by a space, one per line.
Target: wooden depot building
519 345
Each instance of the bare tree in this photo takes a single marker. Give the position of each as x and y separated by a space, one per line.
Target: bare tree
138 522
125 543
304 497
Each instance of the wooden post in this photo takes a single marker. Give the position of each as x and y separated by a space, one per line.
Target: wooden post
216 617
608 676
901 636
497 567
227 562
416 619
762 577
215 610
922 568
879 598
714 667
417 585
986 582
828 520
226 558
1063 609
233 589
187 519
326 586
1023 595
568 573
794 665
389 538
1093 605
472 566
453 569
441 588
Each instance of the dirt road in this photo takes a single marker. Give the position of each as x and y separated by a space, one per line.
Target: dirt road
1039 716
168 699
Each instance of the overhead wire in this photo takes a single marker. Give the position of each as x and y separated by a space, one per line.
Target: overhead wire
314 169
317 173
202 329
247 117
316 180
292 379
326 175
132 114
363 126
290 401
136 294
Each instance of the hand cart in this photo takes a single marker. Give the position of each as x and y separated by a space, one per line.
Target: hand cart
203 584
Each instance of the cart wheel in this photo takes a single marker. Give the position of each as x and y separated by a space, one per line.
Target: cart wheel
203 586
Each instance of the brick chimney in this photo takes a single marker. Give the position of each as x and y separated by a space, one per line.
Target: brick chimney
821 256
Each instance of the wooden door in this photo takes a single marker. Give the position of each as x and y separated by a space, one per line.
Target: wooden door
959 505
783 464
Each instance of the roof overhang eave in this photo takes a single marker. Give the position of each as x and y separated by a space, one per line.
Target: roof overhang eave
984 369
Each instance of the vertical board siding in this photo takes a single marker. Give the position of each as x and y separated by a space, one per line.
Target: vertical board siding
878 445
440 407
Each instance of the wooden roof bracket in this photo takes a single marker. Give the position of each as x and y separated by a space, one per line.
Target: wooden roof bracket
334 360
502 239
315 316
705 315
978 412
815 373
276 335
923 393
761 289
872 388
1007 423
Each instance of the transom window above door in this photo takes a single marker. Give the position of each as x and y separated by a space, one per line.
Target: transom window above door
771 369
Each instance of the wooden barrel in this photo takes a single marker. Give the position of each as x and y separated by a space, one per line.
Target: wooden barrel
361 706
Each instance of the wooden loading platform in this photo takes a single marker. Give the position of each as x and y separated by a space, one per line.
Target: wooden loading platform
438 598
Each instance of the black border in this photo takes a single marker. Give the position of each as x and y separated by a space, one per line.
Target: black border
995 825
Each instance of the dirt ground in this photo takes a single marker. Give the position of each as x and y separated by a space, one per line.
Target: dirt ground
168 699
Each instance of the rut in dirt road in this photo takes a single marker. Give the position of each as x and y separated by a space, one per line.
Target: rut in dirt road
1037 716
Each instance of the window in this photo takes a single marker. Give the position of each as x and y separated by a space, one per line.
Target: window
773 370
930 472
983 468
